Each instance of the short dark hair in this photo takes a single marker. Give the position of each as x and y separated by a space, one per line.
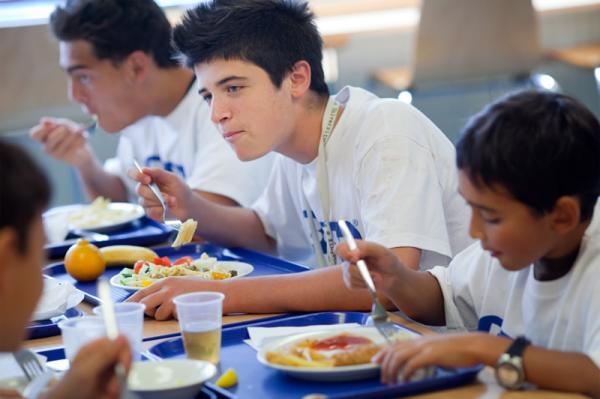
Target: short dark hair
116 28
272 34
24 191
539 145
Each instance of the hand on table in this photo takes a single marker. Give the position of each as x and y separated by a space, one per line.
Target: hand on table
158 297
448 350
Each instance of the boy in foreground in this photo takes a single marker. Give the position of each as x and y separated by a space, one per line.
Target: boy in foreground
529 167
379 164
24 193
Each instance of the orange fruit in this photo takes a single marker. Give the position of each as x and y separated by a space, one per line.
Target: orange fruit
84 261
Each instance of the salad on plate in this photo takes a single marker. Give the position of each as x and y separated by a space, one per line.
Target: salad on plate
145 273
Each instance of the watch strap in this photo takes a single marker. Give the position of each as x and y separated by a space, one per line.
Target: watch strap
518 346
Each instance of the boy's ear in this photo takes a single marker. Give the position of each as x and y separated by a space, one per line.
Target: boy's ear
8 253
299 78
138 64
566 214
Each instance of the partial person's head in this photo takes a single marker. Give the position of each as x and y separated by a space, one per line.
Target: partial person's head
24 193
529 166
255 62
108 48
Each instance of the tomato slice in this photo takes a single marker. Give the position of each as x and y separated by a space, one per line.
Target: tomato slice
183 260
164 261
138 265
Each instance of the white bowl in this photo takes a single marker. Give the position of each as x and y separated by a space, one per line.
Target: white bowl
173 378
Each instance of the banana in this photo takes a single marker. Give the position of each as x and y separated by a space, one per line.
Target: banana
125 255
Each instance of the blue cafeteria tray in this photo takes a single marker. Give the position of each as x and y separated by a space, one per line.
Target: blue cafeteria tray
49 327
263 265
256 380
143 231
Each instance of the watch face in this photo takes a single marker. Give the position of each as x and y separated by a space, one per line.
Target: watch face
508 375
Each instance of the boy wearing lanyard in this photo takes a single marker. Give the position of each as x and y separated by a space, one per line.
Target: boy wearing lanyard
378 164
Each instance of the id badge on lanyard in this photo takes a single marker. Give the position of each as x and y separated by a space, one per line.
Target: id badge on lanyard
328 258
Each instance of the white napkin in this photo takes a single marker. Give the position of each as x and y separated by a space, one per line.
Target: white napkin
260 336
57 297
56 225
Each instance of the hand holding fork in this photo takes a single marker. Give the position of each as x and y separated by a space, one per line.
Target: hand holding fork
379 315
175 224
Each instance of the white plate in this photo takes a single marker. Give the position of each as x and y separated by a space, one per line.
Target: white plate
173 378
242 269
342 373
125 213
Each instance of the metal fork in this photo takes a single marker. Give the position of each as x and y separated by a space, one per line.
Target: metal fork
379 315
29 363
174 224
34 370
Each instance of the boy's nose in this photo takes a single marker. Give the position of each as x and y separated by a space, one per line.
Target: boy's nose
219 112
475 229
74 92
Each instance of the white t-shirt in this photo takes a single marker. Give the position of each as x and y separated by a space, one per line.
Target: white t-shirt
562 314
392 177
187 143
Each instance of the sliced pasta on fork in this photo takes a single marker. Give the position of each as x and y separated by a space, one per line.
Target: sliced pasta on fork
186 233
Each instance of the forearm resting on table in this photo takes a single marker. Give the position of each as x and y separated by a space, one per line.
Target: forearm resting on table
547 369
311 291
565 371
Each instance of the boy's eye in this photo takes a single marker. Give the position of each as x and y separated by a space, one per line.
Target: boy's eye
491 220
207 97
233 89
83 79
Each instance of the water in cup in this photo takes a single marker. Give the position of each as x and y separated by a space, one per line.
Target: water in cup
199 315
202 341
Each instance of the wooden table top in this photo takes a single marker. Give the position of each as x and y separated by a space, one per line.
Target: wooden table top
484 387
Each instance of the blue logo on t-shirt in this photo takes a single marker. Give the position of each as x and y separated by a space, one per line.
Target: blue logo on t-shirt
491 324
335 230
154 161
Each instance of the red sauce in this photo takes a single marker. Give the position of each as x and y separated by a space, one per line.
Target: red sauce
339 342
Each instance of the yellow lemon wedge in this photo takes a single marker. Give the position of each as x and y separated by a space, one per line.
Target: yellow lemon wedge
227 379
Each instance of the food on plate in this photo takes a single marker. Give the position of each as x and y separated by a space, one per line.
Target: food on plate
99 213
84 261
343 349
126 254
144 273
186 233
227 379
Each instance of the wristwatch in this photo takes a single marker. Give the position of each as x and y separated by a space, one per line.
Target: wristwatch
510 372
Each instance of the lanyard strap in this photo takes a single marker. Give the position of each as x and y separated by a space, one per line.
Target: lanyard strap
328 258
